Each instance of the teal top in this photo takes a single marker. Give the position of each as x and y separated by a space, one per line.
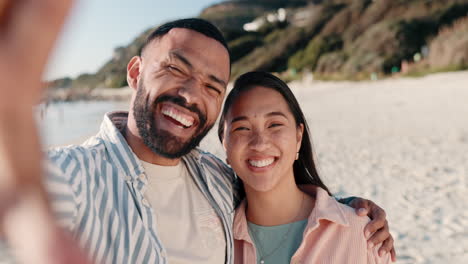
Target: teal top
276 244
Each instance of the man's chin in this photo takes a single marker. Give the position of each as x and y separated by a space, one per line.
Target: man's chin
169 146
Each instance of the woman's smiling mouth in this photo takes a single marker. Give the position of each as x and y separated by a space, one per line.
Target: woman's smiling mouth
257 164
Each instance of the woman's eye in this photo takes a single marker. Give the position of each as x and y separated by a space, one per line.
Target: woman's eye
275 125
240 129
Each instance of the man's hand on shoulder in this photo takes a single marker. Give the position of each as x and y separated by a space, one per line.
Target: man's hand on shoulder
377 230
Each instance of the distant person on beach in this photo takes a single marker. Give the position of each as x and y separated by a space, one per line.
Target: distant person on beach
268 144
139 191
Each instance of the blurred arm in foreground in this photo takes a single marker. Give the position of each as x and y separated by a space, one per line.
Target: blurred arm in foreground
28 30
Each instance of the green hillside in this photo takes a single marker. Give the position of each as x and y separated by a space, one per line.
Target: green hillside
345 39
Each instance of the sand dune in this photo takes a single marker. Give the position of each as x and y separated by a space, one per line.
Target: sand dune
402 143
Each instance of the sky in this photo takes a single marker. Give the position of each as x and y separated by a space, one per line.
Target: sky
96 27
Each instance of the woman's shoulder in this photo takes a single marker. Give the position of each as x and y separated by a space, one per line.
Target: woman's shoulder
351 216
329 208
355 231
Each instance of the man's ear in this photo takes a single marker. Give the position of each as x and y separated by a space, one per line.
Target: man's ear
133 72
299 133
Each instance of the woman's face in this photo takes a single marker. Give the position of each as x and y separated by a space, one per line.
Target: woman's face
261 138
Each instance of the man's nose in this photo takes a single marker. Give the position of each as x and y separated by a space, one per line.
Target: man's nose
191 91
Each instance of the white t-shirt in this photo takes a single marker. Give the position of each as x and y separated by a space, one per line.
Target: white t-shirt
187 224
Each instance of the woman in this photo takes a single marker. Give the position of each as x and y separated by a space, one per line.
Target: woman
267 142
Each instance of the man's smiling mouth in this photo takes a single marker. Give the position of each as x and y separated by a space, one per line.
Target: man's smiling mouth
177 117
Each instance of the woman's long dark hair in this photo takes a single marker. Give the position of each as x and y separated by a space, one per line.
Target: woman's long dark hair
305 171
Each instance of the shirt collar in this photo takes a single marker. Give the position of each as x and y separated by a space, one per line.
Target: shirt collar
326 208
119 150
117 147
240 228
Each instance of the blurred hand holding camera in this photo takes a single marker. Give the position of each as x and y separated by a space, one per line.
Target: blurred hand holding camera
28 31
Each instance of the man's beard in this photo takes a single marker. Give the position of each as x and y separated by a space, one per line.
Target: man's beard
160 141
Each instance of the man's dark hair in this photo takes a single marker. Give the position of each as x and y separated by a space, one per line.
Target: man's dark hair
201 26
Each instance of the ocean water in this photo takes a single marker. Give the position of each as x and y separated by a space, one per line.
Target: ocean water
67 123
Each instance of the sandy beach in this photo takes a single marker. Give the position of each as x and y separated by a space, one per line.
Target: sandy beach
402 143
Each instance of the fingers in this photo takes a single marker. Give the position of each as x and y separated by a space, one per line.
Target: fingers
378 219
393 254
388 247
28 229
383 236
387 243
33 27
27 37
34 237
379 236
360 205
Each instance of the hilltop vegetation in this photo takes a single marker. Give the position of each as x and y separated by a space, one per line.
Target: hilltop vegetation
345 39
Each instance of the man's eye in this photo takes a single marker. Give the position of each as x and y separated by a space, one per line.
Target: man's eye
214 89
174 69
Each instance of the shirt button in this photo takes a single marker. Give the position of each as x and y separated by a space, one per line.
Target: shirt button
145 202
142 176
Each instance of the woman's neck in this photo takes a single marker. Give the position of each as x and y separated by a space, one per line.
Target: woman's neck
282 205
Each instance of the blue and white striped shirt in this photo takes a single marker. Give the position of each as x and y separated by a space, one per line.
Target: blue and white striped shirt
97 190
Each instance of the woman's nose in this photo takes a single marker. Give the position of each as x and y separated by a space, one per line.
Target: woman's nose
259 141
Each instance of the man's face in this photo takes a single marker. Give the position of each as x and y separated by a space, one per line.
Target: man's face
181 86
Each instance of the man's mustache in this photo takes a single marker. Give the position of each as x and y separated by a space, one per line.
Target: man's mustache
180 101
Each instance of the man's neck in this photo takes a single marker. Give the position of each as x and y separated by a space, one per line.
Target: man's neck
144 153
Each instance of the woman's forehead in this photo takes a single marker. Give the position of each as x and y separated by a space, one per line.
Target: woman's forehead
259 101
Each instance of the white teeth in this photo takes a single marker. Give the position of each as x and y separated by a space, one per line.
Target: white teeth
261 163
181 119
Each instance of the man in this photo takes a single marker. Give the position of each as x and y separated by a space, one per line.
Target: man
140 191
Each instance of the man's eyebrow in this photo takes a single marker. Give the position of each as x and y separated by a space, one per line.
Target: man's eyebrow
185 61
181 58
219 81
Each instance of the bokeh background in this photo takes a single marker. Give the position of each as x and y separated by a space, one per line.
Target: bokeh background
383 84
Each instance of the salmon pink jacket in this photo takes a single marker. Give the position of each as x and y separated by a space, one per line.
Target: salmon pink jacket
334 235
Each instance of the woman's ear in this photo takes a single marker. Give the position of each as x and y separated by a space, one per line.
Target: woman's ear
133 72
299 133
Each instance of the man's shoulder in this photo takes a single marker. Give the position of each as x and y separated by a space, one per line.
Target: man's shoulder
78 153
213 162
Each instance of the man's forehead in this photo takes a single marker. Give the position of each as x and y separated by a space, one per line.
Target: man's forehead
185 42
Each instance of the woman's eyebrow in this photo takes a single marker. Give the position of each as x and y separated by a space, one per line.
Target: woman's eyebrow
276 113
238 118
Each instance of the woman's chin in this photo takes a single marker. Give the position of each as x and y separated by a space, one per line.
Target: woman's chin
260 187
